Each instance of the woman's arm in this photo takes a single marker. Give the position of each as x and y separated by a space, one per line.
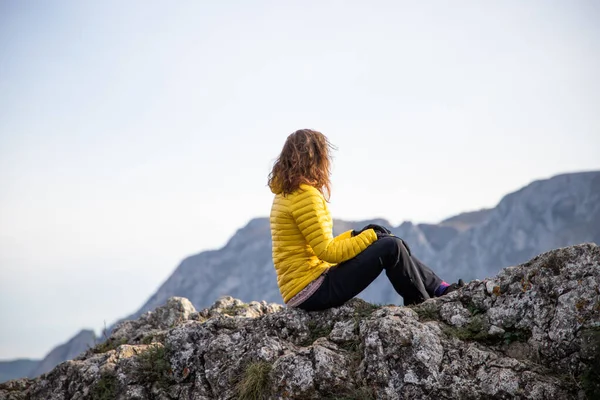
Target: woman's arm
343 236
314 221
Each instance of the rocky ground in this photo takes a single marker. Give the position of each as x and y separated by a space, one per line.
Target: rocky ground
531 332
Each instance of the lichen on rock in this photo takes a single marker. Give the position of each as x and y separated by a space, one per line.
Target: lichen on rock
532 331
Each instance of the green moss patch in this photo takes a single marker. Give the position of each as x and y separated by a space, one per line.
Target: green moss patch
108 345
427 311
315 331
154 366
477 330
235 309
255 383
106 388
364 309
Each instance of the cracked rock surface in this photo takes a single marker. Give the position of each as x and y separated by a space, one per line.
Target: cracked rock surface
531 332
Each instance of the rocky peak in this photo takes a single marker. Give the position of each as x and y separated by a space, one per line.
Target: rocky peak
532 331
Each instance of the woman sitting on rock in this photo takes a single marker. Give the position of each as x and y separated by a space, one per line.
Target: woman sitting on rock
315 270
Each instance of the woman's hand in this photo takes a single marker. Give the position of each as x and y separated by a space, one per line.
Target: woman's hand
381 235
377 228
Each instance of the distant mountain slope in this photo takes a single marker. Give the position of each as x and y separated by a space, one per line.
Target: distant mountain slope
243 266
67 351
16 369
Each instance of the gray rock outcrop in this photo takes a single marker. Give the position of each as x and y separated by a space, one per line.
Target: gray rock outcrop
531 332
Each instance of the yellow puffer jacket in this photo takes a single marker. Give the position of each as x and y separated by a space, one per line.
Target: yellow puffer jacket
303 244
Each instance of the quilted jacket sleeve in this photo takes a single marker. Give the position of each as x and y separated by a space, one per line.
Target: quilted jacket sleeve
343 236
314 221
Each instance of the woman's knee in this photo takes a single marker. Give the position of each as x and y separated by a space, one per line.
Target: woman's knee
390 248
391 243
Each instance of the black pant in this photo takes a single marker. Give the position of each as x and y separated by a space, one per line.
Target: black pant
411 279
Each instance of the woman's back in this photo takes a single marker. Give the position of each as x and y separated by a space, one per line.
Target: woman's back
295 260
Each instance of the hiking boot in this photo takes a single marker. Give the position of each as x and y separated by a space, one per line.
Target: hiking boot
454 287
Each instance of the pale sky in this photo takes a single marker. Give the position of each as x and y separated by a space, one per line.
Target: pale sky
136 133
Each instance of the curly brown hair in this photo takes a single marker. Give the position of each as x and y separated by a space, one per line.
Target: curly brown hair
305 158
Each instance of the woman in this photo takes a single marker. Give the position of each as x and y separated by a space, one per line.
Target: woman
315 270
